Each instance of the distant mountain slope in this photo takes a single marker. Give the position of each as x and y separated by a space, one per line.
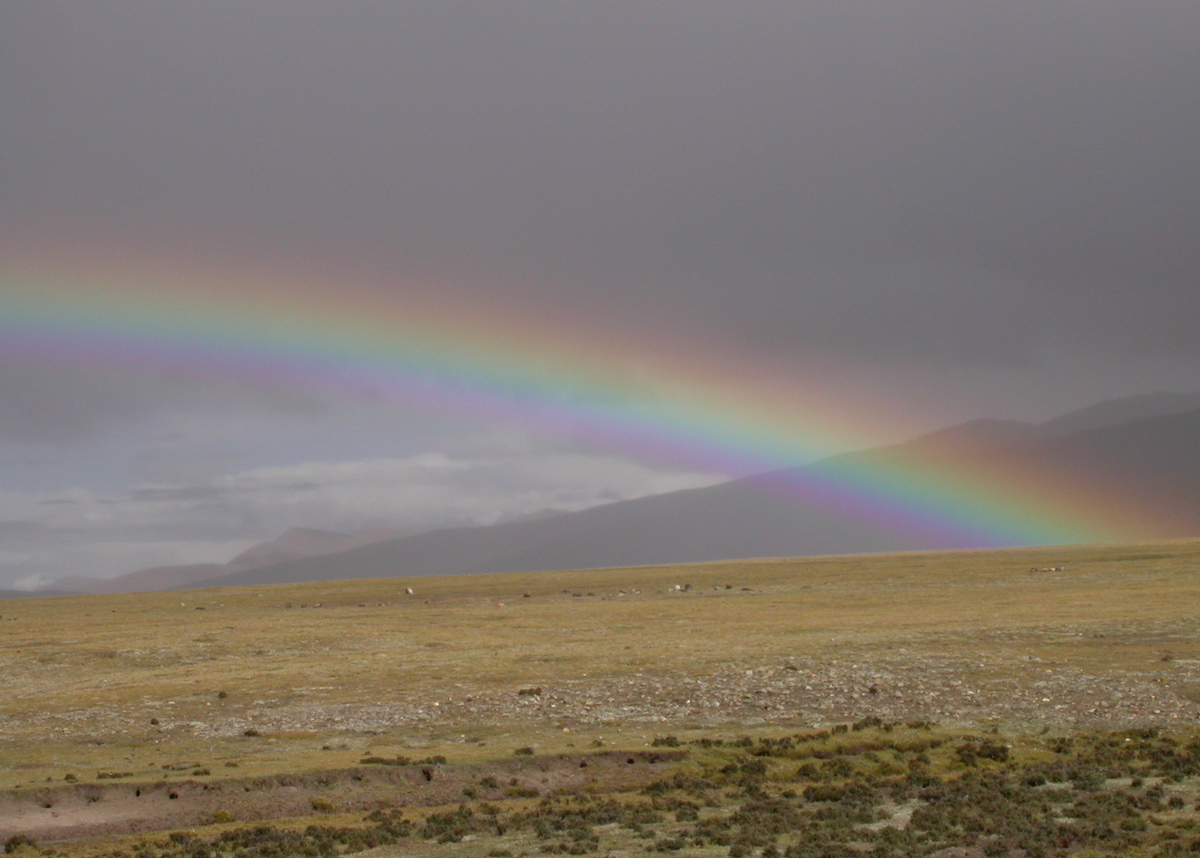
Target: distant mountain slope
302 542
156 578
736 519
975 435
1142 448
27 594
297 543
1150 461
1117 411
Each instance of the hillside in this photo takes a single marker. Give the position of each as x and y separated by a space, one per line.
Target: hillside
1142 450
1152 462
297 543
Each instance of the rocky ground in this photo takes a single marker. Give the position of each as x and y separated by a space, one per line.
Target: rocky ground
982 689
979 689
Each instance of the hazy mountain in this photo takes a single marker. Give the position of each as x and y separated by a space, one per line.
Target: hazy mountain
983 434
992 433
736 519
1143 448
305 542
1150 460
536 515
1115 411
295 544
26 594
1151 463
156 578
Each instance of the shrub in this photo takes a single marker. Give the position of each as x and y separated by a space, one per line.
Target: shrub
15 842
398 760
970 752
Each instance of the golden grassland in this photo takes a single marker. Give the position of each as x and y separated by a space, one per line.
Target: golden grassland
86 676
294 705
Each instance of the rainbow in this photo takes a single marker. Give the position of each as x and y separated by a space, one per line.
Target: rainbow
671 400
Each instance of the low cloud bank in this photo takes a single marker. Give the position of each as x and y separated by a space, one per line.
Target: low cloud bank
79 532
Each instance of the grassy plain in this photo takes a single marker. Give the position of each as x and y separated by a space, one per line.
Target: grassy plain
264 682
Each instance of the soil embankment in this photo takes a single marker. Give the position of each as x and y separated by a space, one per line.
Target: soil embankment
95 810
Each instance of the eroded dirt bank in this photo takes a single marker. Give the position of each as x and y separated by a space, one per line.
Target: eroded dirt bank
91 810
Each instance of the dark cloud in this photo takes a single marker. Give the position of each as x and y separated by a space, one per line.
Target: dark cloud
42 404
745 162
24 530
167 494
52 403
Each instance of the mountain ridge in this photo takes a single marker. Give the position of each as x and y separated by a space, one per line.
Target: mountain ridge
732 519
743 519
294 544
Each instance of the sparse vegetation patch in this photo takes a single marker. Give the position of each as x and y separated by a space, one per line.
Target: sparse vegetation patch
913 792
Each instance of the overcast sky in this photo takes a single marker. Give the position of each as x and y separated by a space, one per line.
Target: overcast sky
969 207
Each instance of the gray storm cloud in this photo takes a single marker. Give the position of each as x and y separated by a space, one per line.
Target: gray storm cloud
735 166
56 404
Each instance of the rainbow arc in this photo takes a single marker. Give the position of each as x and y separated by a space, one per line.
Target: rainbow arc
704 410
